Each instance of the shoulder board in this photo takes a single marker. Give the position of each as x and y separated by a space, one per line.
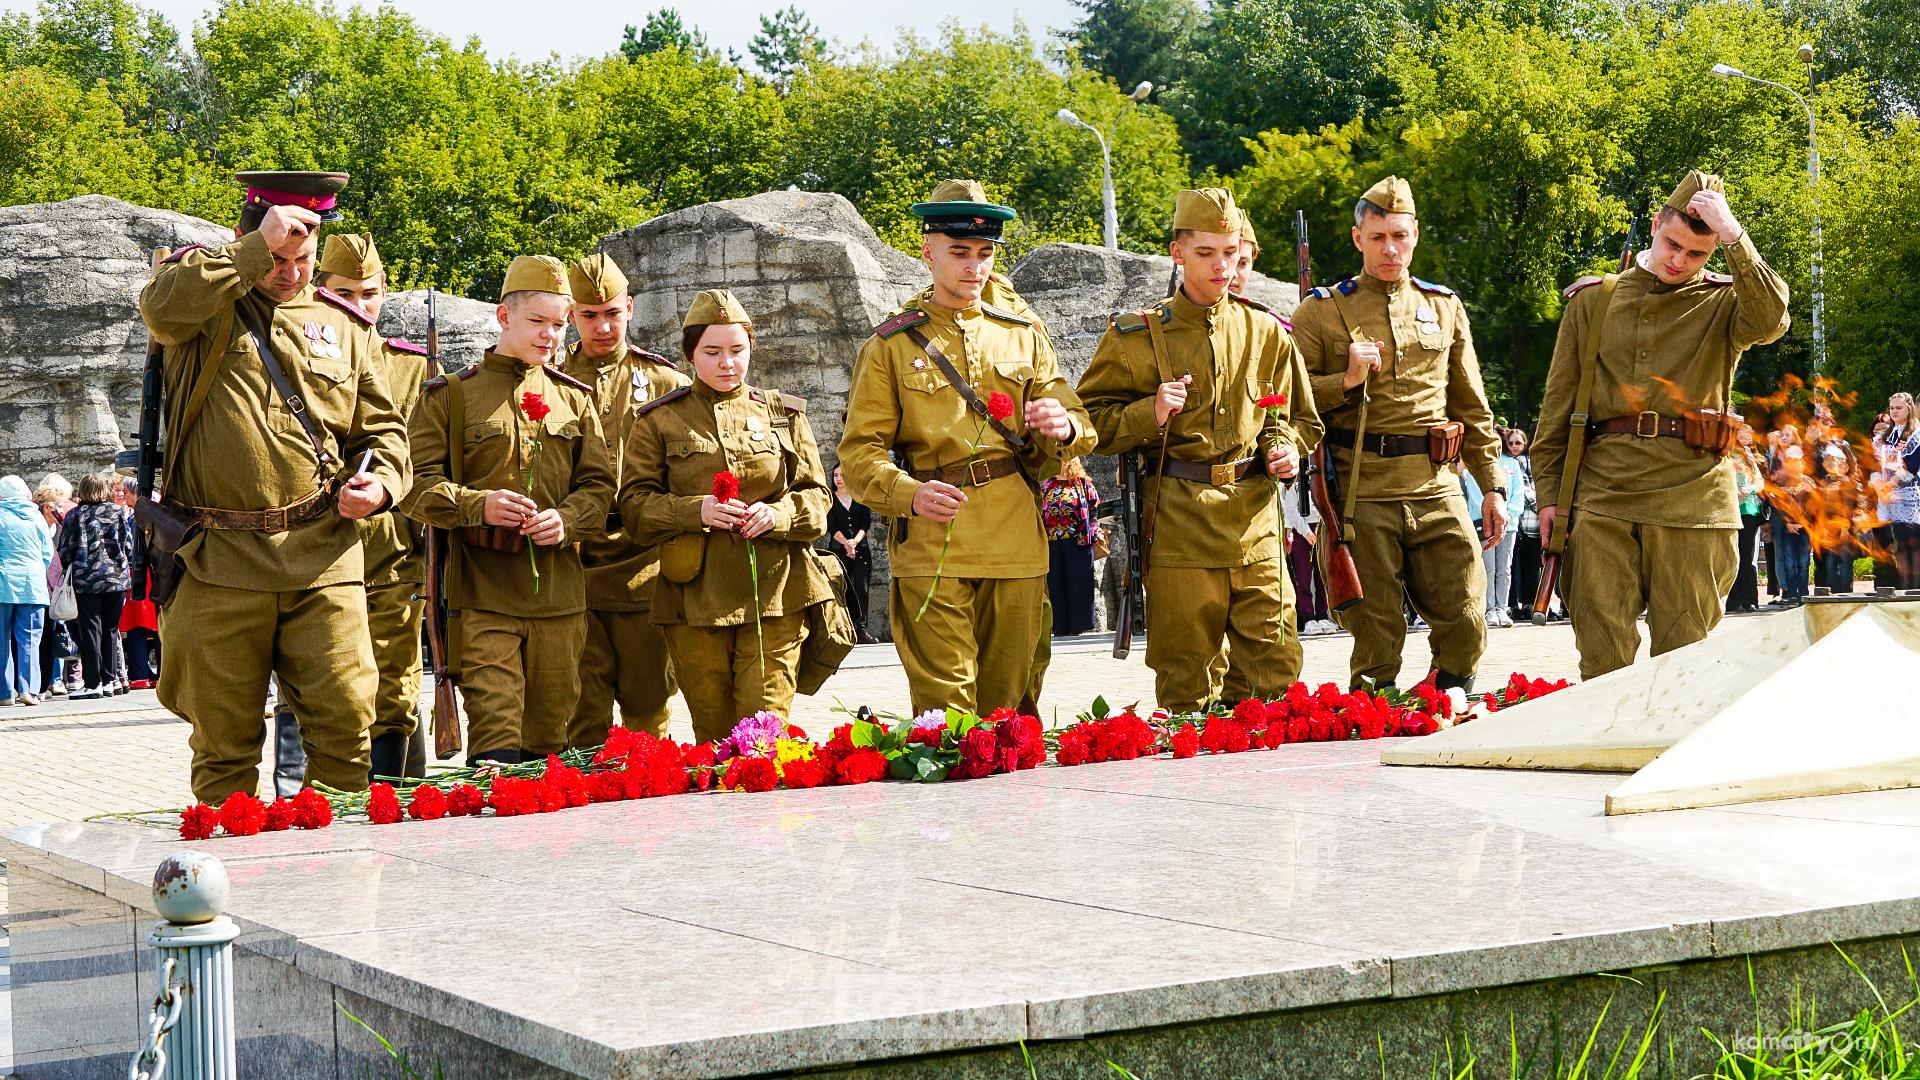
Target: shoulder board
1428 286
1346 286
344 304
1319 293
439 381
1251 302
179 253
787 401
1129 321
1006 316
1581 283
565 379
672 395
405 346
909 317
1712 278
653 357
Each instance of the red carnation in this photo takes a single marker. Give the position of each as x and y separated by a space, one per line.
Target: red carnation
999 405
606 787
751 774
311 810
465 800
1074 746
383 806
198 822
429 803
803 773
1186 742
726 486
862 766
242 814
512 796
534 406
698 758
280 815
1273 401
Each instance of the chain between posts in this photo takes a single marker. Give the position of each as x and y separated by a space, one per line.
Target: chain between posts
151 1062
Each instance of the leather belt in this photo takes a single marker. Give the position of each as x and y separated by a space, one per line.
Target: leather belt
976 473
1381 445
274 519
1647 425
1202 473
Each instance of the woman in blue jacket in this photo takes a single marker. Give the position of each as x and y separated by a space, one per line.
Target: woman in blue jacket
26 550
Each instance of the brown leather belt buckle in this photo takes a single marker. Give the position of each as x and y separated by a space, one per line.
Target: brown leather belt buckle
1225 474
979 472
273 519
1647 424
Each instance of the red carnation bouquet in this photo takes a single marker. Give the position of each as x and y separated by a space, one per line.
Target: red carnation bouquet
535 408
999 407
726 489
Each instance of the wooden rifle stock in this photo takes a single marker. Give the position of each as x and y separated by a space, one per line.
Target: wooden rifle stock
1341 576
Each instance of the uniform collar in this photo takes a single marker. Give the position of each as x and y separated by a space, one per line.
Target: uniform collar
708 393
518 369
1652 279
943 312
1385 288
618 354
1185 309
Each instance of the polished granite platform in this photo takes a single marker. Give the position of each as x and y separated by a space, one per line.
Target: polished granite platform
1289 901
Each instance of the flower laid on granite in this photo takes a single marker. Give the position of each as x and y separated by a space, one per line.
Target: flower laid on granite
999 407
764 752
535 408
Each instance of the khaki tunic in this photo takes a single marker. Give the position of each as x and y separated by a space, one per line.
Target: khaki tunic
1214 578
573 477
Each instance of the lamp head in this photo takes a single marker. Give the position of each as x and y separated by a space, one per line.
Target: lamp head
1806 54
1727 71
1140 92
1066 116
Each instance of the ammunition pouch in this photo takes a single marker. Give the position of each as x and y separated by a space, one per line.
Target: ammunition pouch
1444 441
499 538
682 556
165 527
1710 431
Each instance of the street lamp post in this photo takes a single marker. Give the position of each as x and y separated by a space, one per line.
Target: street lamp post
1727 71
1111 213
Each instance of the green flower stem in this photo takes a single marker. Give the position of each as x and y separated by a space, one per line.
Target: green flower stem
940 567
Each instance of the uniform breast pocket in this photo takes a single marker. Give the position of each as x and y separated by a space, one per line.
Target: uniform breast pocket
1017 372
926 382
1434 338
562 429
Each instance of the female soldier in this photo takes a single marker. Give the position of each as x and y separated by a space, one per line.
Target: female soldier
728 667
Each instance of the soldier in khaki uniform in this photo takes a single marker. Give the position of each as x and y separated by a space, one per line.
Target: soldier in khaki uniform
350 267
273 582
1656 517
520 636
975 645
1187 373
626 657
1395 352
728 666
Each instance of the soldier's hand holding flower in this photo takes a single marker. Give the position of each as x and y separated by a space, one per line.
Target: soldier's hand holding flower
1283 461
756 520
1170 400
938 502
722 513
1048 417
1712 209
545 528
507 507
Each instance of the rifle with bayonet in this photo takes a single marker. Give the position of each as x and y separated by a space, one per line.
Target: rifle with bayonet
1561 528
1339 573
440 542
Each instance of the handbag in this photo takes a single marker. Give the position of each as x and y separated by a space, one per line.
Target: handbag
829 628
63 604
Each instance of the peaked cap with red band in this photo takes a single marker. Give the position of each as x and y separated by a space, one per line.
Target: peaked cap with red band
315 191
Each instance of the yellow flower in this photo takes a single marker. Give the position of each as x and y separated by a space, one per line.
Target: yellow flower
785 750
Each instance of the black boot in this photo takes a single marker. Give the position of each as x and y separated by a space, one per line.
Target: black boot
1444 681
417 753
289 756
497 757
389 758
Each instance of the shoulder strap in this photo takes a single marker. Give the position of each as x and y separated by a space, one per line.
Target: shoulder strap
297 405
1158 335
202 386
966 392
1341 304
456 428
1577 421
1358 336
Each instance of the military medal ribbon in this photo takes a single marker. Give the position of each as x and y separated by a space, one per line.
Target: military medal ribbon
999 407
535 409
726 488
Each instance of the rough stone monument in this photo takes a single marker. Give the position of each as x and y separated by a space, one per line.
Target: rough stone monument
467 327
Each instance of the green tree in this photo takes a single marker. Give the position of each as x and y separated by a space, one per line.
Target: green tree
787 42
1320 173
663 30
1133 40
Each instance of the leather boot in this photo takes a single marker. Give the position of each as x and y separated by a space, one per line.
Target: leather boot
417 753
1445 680
497 757
289 756
389 758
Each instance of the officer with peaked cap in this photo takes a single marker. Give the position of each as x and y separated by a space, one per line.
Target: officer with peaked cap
273 581
510 460
967 630
1655 514
1395 353
1189 374
626 657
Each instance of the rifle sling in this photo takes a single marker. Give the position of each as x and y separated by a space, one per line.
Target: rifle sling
1359 337
197 398
450 564
1578 420
297 405
966 392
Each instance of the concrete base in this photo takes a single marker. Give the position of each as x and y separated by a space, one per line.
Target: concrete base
1254 914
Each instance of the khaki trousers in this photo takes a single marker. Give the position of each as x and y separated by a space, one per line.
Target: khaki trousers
719 670
1616 569
1425 549
625 662
976 648
519 679
1194 613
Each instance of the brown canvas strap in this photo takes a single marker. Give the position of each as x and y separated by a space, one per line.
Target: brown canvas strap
197 398
1352 500
966 392
323 458
1578 420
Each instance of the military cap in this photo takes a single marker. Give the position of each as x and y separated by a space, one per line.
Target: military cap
1246 229
315 191
1207 210
959 208
1392 195
351 256
596 279
535 273
715 306
1694 183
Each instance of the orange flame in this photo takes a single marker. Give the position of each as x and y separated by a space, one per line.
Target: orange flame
1836 506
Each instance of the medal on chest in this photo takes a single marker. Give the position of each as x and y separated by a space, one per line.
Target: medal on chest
322 341
755 430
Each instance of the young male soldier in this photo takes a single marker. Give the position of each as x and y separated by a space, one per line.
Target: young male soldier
514 569
1394 353
273 395
350 268
626 657
1656 519
1188 374
921 388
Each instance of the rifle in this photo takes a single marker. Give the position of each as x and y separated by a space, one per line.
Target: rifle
152 384
1340 576
1561 529
1133 593
446 677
